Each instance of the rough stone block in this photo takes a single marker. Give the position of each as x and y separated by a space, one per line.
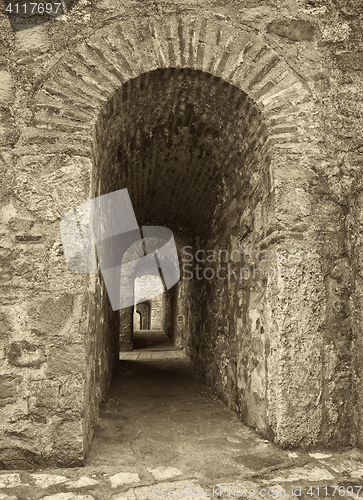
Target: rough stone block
68 444
44 399
68 360
6 88
293 29
25 354
51 315
34 38
350 60
9 134
9 387
17 225
15 454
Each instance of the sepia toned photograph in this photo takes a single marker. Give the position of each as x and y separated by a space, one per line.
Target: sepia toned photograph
181 249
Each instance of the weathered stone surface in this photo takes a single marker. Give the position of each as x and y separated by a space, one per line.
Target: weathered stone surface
82 482
10 480
24 354
6 88
4 324
293 29
45 399
350 60
45 480
161 473
66 360
34 38
126 329
19 225
9 134
9 386
68 496
67 442
15 454
124 478
52 314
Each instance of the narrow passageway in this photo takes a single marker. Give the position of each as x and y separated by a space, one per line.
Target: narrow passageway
151 340
159 414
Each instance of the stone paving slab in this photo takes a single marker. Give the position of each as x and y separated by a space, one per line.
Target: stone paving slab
132 356
147 355
314 479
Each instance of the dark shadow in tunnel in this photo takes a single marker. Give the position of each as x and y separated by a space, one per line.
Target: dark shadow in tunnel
152 340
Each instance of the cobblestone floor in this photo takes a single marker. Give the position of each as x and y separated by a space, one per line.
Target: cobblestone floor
163 434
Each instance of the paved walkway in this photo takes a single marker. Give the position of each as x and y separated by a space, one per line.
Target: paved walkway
164 434
152 344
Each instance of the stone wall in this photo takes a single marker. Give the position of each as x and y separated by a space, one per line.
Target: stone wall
232 123
58 342
156 313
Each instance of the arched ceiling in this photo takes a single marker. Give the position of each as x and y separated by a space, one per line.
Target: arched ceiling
173 138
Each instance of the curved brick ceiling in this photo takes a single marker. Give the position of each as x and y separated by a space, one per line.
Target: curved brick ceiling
173 138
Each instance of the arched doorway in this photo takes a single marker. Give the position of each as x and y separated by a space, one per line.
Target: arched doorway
137 320
211 133
142 309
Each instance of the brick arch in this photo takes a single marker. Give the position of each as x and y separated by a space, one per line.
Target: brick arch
68 100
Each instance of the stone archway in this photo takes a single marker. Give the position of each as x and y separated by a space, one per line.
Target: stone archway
143 309
71 142
138 321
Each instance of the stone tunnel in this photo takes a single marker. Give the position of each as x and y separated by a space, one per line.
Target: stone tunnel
232 124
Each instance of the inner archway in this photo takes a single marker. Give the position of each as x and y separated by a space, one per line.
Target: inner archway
194 154
137 321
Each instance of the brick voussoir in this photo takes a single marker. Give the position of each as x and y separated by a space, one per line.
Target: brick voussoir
73 70
261 69
97 68
182 42
146 55
214 51
248 65
79 91
110 63
270 71
54 123
158 35
193 44
298 113
43 111
283 118
238 50
42 98
292 94
33 135
259 92
197 44
201 43
281 81
61 89
120 53
172 47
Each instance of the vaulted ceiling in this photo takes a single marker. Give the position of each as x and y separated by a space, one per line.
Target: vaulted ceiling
173 138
